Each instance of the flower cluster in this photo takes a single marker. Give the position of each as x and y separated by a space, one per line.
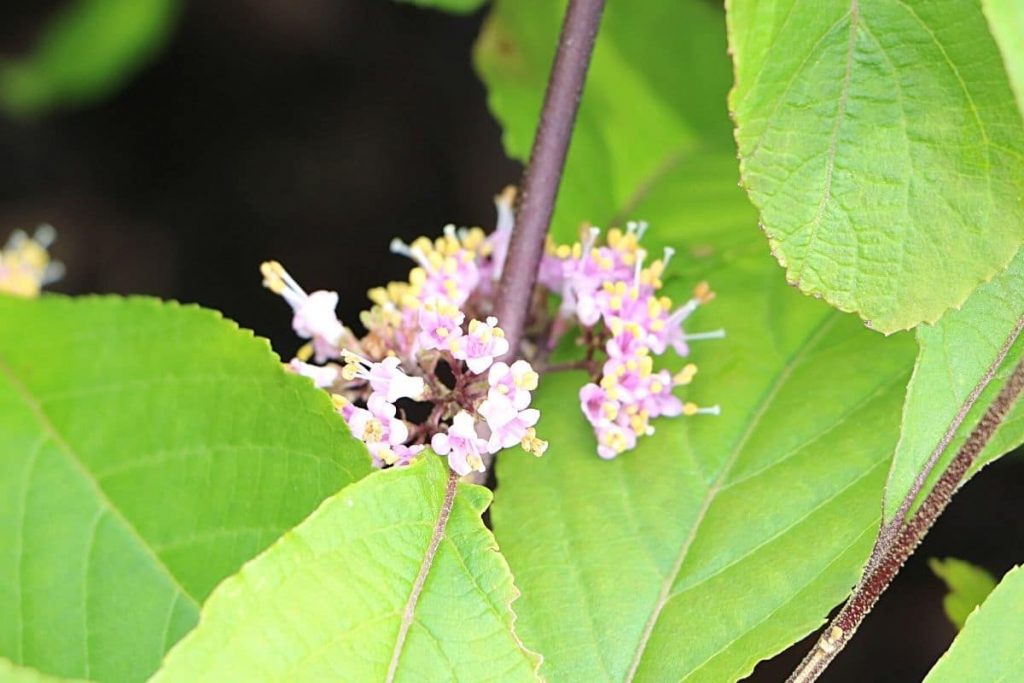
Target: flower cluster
428 369
25 264
431 347
616 299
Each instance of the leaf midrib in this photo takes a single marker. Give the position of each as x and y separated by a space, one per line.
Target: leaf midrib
780 380
48 427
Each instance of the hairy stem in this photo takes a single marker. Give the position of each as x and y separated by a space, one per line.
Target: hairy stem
544 172
881 570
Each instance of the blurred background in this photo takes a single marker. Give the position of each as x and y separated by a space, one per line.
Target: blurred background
313 131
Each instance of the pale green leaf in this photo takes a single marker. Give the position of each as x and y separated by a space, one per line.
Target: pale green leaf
328 601
11 673
90 49
147 450
954 355
881 143
1006 20
989 647
968 586
641 113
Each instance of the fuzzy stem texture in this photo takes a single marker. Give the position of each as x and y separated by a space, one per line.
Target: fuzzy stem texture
880 570
544 174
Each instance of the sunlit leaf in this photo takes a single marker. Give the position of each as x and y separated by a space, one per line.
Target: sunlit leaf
336 598
881 143
989 646
147 450
955 354
11 673
1006 20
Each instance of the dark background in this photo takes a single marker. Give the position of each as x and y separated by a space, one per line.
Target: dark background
313 131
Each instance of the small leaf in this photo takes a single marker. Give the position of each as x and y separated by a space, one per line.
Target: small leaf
954 355
880 141
332 599
147 450
989 646
90 49
968 586
11 673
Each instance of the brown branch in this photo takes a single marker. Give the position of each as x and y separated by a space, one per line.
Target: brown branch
879 574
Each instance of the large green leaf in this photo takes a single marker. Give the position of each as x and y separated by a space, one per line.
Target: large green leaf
339 597
641 114
880 141
147 450
91 48
955 355
718 541
989 647
1006 19
968 586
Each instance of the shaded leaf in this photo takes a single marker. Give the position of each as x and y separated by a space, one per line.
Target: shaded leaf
90 49
989 646
454 6
880 141
328 601
968 586
954 355
146 451
641 114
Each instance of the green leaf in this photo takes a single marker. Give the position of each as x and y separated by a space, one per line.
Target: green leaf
955 355
718 541
147 450
337 598
989 647
1006 20
880 141
641 114
88 51
453 6
10 673
968 585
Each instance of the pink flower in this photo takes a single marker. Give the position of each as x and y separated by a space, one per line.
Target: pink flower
323 376
440 324
377 426
515 381
613 439
462 445
481 345
386 377
507 424
596 405
315 315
